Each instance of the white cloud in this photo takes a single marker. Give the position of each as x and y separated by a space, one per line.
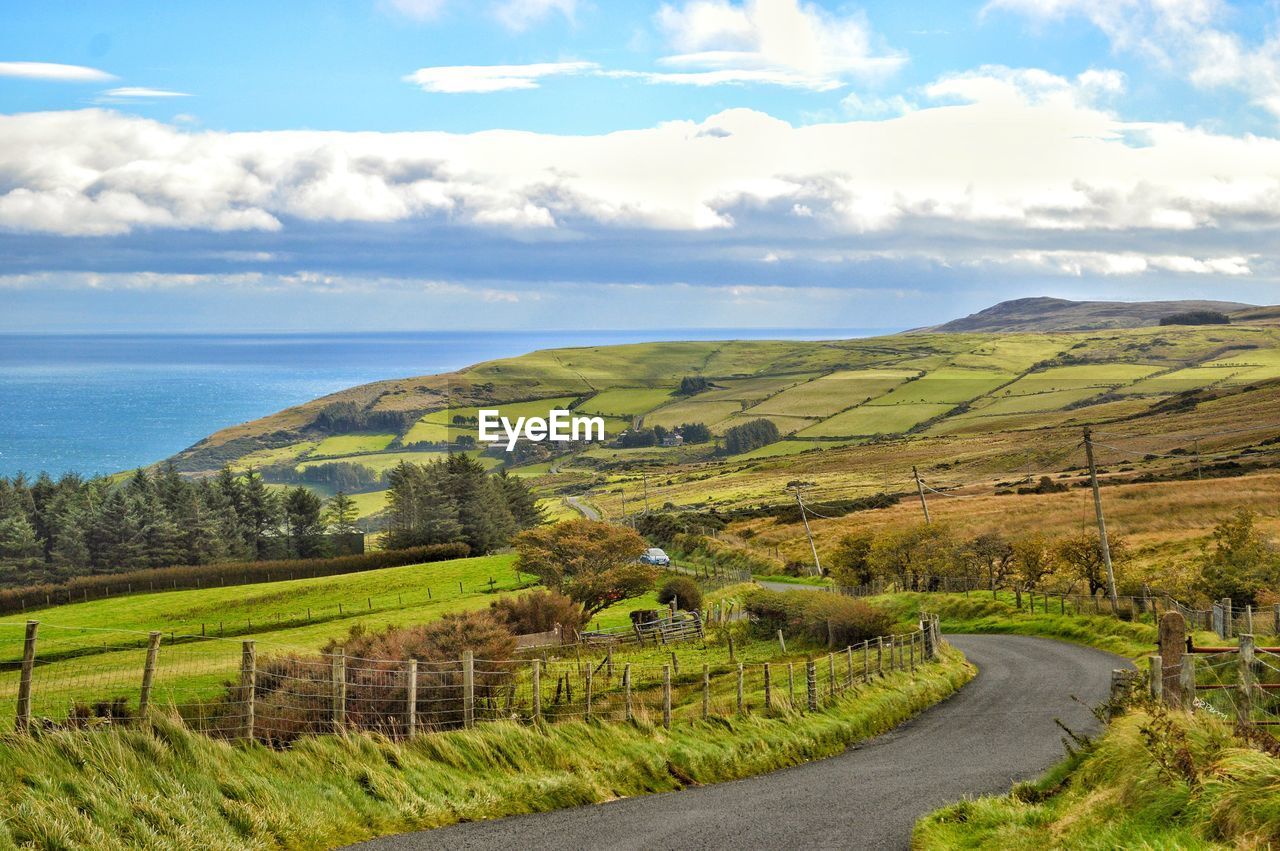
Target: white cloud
141 92
872 106
1185 37
999 165
418 10
518 15
727 76
54 72
460 79
780 41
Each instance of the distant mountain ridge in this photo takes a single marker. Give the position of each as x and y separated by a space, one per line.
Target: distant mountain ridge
1058 314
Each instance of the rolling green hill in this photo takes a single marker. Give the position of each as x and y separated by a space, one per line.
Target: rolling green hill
835 403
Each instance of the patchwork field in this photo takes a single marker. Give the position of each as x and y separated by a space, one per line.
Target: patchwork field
867 404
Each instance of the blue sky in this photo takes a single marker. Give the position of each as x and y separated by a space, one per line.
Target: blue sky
563 163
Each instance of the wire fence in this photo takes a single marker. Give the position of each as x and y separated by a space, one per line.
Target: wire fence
1223 617
245 690
1237 683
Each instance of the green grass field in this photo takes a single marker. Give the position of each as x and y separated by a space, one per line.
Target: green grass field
352 444
875 419
626 402
829 394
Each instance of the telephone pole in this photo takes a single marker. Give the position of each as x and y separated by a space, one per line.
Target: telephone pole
920 490
1102 523
797 489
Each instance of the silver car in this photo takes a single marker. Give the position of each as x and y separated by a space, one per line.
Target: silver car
655 555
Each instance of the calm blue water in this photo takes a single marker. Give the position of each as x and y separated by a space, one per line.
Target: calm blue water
103 403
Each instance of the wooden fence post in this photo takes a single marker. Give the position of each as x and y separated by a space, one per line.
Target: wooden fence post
1173 644
1155 678
811 683
468 688
411 699
791 685
608 662
768 689
537 689
912 650
1275 618
248 684
148 674
848 663
1247 679
588 694
741 675
339 681
782 642
706 691
24 678
831 673
866 661
666 696
880 655
1187 684
1248 618
626 691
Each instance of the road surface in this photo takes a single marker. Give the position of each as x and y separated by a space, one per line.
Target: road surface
582 508
997 730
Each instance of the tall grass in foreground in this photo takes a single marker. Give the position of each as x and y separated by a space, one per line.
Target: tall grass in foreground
1158 779
162 786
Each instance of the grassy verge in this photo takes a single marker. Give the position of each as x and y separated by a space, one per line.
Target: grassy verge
817 581
162 786
979 613
1156 780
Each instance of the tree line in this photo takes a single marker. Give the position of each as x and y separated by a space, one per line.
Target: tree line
1237 560
455 499
52 530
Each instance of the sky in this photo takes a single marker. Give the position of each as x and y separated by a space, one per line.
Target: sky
569 164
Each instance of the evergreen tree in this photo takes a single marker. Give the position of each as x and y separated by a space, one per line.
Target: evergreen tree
260 517
305 528
521 501
340 514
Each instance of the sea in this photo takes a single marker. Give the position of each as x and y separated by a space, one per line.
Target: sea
99 404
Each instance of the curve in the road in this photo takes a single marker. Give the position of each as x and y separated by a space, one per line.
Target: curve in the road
997 730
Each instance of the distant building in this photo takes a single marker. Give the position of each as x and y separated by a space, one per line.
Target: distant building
673 438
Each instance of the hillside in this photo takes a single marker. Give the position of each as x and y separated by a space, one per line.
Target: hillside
849 412
1056 314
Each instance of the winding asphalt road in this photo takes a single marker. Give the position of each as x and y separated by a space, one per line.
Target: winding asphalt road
997 730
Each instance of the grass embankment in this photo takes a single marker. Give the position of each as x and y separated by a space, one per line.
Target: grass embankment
164 787
1163 781
298 612
979 613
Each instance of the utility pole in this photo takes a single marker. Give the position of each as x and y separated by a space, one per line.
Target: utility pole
645 477
623 492
796 489
920 490
1102 523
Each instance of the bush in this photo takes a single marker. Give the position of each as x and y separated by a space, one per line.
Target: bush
1197 317
539 611
684 591
807 614
294 693
750 435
